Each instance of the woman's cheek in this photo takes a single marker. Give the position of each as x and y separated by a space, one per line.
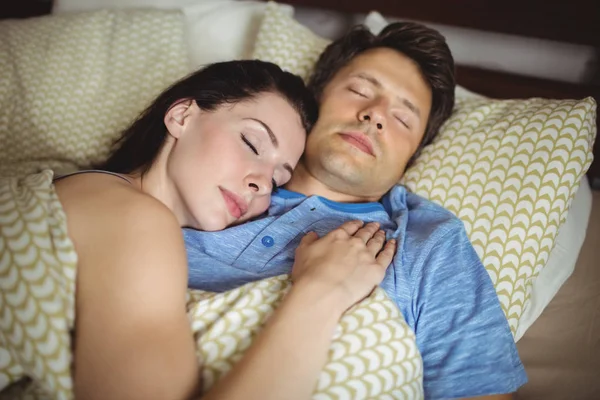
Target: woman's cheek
262 204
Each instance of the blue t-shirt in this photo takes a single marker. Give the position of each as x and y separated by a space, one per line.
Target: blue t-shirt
436 279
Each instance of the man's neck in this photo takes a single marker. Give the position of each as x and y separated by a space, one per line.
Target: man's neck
307 184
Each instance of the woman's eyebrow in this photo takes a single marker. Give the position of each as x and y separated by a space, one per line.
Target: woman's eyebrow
272 136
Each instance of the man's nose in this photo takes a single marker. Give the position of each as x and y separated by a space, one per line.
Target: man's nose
373 115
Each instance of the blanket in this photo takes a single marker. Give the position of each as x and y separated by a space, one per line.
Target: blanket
373 354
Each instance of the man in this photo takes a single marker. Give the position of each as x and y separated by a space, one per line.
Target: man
382 98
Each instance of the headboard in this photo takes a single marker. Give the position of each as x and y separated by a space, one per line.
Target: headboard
575 22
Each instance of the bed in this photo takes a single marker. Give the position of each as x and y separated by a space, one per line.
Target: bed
558 334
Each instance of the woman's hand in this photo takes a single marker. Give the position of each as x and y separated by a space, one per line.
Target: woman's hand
351 260
330 275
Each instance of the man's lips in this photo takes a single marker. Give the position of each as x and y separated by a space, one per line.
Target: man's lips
360 141
236 205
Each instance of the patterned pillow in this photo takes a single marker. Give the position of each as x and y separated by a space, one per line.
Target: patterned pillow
70 83
508 169
287 43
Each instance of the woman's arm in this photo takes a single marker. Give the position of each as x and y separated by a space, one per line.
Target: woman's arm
132 336
330 275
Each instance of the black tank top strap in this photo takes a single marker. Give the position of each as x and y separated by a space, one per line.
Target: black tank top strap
89 171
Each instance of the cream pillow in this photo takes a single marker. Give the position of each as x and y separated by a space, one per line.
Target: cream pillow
508 169
70 83
285 42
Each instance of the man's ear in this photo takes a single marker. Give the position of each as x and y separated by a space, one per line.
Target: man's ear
176 117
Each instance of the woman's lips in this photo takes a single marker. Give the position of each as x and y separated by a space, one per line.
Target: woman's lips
236 205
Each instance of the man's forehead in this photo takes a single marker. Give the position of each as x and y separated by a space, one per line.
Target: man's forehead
380 61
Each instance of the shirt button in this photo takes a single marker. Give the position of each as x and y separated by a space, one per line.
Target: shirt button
267 241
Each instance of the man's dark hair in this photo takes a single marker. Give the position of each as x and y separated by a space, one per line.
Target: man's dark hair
424 45
215 85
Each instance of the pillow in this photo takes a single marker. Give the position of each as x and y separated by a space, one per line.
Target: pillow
507 168
562 259
284 41
70 83
223 30
215 30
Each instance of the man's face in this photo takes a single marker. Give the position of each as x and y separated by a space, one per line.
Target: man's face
372 117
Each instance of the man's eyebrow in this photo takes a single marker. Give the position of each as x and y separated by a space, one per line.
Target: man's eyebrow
411 107
368 78
274 141
407 103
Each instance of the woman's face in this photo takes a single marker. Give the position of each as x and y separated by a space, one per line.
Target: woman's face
224 164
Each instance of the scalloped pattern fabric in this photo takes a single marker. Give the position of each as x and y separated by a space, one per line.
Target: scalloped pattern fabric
37 285
284 41
373 354
509 170
70 83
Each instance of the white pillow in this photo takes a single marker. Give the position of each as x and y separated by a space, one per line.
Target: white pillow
223 30
375 22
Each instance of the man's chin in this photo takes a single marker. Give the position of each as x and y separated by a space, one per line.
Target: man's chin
348 164
347 174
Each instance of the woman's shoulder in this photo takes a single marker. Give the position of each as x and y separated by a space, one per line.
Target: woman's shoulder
121 233
101 204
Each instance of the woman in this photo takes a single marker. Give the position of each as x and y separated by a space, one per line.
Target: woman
206 154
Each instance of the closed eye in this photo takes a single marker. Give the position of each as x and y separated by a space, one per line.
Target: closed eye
402 122
250 145
357 92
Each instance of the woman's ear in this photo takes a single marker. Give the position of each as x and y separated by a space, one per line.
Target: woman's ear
176 117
